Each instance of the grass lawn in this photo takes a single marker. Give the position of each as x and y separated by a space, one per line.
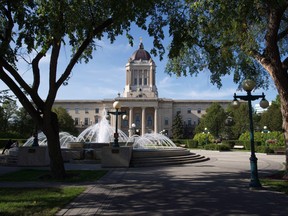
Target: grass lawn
36 201
41 201
275 182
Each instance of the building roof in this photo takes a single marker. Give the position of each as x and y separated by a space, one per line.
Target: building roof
141 54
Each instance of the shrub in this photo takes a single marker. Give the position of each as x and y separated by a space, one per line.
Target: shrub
272 138
218 147
203 139
264 149
192 144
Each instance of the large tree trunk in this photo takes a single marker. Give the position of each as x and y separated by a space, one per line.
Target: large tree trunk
51 130
284 111
280 78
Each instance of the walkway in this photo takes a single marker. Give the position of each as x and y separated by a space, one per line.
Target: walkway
217 187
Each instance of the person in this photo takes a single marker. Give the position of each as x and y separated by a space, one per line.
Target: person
8 145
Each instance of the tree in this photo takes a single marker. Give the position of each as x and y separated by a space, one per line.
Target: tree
247 38
177 127
4 95
66 122
24 123
31 30
214 120
272 117
9 108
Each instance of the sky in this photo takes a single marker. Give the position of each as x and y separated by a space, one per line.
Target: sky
104 76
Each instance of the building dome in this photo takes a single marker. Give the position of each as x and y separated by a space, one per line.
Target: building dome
140 54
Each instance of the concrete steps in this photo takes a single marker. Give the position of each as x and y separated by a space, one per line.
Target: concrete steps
8 160
164 157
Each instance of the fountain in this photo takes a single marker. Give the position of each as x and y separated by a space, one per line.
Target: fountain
93 144
103 133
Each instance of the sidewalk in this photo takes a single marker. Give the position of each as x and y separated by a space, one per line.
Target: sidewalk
216 187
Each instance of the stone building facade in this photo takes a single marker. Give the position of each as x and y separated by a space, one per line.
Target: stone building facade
140 102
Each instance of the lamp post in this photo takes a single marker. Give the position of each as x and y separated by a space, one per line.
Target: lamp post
206 131
248 85
265 131
133 127
117 106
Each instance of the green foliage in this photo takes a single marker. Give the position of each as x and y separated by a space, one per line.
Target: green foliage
217 147
177 127
66 122
272 118
203 139
214 120
213 35
271 139
189 143
276 183
240 119
36 201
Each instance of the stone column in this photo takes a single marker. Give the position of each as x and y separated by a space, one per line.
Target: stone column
130 120
143 120
155 119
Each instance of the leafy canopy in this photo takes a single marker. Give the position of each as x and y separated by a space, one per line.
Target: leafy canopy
225 37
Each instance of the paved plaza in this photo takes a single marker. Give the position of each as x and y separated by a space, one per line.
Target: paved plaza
219 186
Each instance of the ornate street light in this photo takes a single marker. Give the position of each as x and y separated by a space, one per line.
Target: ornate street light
206 131
117 106
248 85
133 126
265 131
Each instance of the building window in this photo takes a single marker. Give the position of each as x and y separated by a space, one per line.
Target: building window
67 110
149 121
76 121
189 122
166 121
135 81
96 119
189 111
125 123
86 121
77 110
140 81
137 120
199 110
178 110
86 110
96 110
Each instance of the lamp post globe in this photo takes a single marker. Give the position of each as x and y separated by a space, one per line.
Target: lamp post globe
264 103
124 117
235 104
117 105
248 85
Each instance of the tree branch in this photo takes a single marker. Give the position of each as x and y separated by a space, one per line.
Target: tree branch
81 49
19 93
282 34
285 64
36 71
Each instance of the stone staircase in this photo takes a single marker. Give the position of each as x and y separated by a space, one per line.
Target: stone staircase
163 157
8 160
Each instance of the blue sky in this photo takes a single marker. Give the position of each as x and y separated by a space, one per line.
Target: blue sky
104 76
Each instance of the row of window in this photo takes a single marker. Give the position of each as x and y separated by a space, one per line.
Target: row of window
189 110
125 123
86 110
